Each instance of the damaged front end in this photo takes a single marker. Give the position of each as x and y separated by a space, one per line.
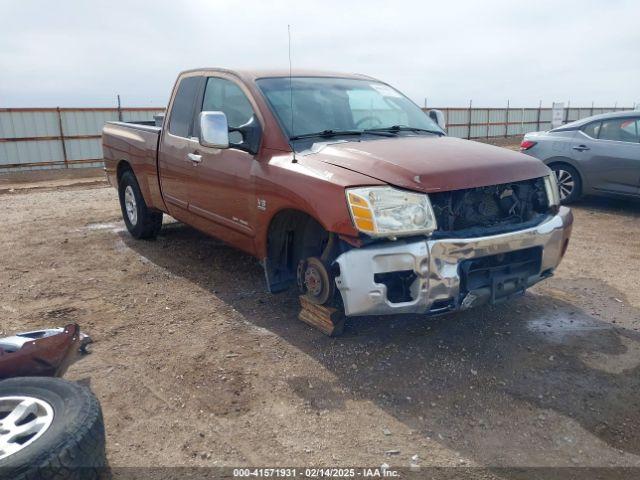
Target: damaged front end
490 244
47 353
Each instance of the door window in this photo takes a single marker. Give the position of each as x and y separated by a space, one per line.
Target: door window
632 127
223 95
182 108
619 129
592 129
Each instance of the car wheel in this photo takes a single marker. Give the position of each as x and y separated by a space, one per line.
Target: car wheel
569 182
141 221
49 429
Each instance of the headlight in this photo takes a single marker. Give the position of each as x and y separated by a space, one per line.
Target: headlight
551 186
389 212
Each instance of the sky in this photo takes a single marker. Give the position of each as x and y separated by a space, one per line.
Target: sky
79 53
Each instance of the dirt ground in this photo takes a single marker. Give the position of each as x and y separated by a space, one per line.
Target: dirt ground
195 364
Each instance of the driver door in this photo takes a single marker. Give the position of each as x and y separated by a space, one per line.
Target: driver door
222 193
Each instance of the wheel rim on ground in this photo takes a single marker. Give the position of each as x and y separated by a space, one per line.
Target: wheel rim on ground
22 421
130 205
566 183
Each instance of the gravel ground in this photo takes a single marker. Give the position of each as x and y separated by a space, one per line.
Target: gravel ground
196 365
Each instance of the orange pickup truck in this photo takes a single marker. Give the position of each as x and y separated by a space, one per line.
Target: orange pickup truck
341 185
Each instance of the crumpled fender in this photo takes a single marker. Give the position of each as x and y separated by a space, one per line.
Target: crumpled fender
49 354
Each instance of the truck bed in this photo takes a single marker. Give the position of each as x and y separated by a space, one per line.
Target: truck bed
134 144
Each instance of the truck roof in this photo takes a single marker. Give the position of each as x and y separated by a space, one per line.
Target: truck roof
270 73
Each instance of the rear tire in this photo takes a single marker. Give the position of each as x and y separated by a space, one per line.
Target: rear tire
72 443
141 221
569 182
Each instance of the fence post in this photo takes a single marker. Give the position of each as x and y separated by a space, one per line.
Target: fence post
591 112
566 115
469 124
64 147
506 121
119 109
488 121
539 111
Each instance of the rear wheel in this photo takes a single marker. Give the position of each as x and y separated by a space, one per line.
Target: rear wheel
141 221
569 182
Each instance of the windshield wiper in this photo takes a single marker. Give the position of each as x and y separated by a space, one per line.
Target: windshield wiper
335 133
403 128
327 134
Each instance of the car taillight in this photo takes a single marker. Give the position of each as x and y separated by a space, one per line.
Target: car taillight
526 145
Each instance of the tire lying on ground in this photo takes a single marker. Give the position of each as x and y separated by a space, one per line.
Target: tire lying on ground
50 429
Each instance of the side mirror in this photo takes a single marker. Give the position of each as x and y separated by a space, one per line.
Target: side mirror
214 130
438 117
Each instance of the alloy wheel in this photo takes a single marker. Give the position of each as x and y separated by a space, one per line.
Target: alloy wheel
22 421
130 205
566 183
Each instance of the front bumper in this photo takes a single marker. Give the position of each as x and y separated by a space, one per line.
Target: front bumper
436 265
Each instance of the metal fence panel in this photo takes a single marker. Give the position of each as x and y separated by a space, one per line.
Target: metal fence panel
86 122
497 115
496 130
28 123
24 152
38 138
83 149
460 132
545 115
479 116
459 116
139 115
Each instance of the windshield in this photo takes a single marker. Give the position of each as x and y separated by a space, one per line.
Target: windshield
322 104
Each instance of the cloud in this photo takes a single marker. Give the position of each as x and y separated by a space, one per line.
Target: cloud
78 53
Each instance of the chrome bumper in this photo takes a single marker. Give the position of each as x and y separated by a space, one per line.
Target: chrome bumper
436 288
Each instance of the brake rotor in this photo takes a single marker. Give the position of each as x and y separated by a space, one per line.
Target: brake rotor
315 280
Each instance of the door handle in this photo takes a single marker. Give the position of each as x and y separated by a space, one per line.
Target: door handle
581 148
194 157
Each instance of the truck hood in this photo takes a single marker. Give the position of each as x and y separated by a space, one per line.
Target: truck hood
430 164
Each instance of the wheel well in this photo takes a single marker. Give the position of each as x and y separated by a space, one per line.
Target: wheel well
123 166
292 236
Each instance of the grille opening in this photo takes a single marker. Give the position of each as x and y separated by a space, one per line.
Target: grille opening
509 204
398 284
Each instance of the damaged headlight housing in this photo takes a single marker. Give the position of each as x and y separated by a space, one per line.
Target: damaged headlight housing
553 193
390 212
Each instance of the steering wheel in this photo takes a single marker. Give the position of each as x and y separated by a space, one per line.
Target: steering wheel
375 120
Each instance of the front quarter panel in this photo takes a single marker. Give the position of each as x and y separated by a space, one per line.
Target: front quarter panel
307 185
